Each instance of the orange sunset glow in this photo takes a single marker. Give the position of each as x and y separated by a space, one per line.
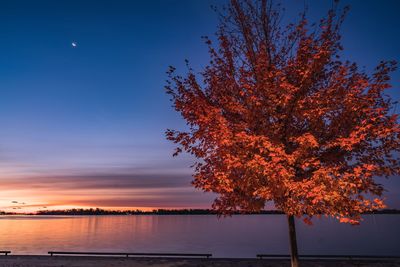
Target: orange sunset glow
123 191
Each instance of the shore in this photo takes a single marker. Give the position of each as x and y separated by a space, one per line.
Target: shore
89 261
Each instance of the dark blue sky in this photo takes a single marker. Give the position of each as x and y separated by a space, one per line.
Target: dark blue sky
80 115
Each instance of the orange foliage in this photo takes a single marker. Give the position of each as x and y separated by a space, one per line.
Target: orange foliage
278 116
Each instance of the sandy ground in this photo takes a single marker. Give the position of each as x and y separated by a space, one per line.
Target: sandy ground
85 261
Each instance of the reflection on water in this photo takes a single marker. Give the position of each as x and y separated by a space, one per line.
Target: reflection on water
238 236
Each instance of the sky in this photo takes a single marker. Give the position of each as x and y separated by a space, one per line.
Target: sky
83 125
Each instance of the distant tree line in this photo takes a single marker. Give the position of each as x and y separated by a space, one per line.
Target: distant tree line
99 211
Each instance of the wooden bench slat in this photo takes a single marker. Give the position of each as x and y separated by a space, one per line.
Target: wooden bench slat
130 254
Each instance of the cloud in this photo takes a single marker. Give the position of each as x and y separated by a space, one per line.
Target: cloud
114 189
97 181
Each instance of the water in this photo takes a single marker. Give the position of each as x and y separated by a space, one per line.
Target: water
238 236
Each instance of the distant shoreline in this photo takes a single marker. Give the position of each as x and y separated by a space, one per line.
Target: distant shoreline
98 211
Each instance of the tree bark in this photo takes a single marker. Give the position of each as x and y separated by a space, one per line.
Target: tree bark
294 256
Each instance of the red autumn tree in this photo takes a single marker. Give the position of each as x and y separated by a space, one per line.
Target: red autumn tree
278 116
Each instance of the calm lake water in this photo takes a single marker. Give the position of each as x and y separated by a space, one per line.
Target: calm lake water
237 236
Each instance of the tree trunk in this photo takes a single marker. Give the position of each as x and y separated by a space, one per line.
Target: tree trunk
294 256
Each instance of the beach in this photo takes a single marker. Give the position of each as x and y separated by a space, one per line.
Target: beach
91 261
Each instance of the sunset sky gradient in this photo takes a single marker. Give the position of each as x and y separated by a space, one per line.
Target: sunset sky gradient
84 126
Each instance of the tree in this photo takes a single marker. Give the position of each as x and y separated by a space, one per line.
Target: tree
278 116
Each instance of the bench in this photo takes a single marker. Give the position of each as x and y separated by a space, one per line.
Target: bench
5 252
261 256
131 254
